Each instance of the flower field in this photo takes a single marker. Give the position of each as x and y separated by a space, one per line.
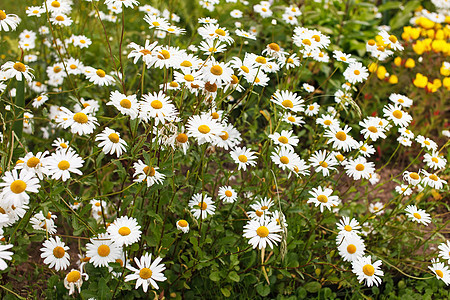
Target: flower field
233 149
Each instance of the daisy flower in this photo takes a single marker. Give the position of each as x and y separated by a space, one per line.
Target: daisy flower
8 21
74 279
260 208
397 115
183 225
351 248
156 21
376 208
80 123
411 177
143 51
204 128
124 231
432 180
312 109
347 228
401 100
127 105
340 138
390 41
245 34
217 72
34 163
426 143
356 72
288 100
441 271
403 189
147 173
111 142
243 157
341 56
292 119
63 162
368 271
227 194
17 70
285 139
435 161
44 223
405 132
55 253
365 149
418 215
322 197
157 106
98 76
444 252
39 100
285 158
359 168
102 250
15 187
5 255
61 19
262 233
327 121
126 3
229 138
323 162
60 144
147 272
201 205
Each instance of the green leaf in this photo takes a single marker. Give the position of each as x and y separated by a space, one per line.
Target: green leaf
313 287
234 276
214 276
225 292
104 292
263 290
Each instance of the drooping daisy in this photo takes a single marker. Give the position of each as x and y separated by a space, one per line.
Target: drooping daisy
149 174
127 105
15 187
124 231
201 206
82 122
183 225
322 197
442 271
63 162
340 138
418 215
368 271
359 168
347 228
74 279
351 248
157 106
111 142
147 272
432 180
284 139
323 162
8 21
411 177
17 70
227 194
262 233
260 209
288 100
102 250
404 141
397 115
401 100
34 163
98 76
44 223
426 143
55 253
444 252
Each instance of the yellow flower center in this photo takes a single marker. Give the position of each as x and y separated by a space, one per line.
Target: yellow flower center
145 273
2 15
164 54
18 186
327 122
18 66
59 252
228 193
287 103
182 138
372 129
340 135
103 250
186 64
59 18
283 140
356 72
348 228
145 52
73 276
114 137
433 177
306 42
149 171
291 118
63 165
284 160
204 129
323 164
322 198
343 58
316 38
73 67
439 273
216 70
234 79
401 101
182 223
224 136
262 231
32 162
417 216
369 270
55 4
261 60
414 175
220 32
351 248
189 77
63 145
202 205
427 143
259 213
398 114
155 23
435 160
359 167
125 103
393 39
311 107
363 148
264 207
124 231
274 47
80 118
290 61
243 158
245 69
100 73
156 104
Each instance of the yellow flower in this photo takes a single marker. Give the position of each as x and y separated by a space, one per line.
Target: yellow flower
410 63
420 81
419 47
446 83
381 72
373 67
398 61
425 23
393 79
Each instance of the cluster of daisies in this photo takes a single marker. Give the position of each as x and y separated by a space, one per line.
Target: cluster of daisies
203 72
